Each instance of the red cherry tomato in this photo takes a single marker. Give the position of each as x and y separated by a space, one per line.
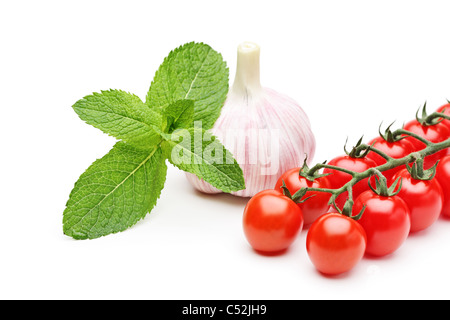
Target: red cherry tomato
423 197
271 221
396 150
434 133
443 177
338 178
335 243
446 110
385 220
313 207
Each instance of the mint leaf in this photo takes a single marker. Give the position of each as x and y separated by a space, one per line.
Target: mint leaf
120 114
197 151
193 71
180 114
115 192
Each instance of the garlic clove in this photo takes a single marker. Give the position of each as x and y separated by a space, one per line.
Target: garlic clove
267 132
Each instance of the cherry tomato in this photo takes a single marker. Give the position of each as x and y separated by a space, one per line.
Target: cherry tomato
338 178
434 133
423 197
335 243
385 220
313 207
396 150
271 221
443 177
447 112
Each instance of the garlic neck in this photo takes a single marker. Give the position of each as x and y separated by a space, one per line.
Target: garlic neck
247 81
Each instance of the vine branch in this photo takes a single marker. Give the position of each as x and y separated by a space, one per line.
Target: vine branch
414 157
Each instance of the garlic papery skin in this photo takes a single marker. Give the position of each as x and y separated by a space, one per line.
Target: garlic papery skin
267 132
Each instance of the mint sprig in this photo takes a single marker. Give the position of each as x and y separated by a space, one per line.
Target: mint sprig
184 100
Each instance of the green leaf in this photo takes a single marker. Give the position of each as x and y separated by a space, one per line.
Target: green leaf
115 192
197 151
180 114
122 115
193 71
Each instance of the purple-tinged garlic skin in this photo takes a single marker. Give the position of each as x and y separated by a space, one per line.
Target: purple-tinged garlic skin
267 132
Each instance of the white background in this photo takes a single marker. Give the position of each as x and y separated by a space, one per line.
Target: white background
350 64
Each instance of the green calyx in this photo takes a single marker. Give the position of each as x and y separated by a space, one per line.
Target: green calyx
425 119
388 135
381 187
311 174
347 209
417 171
358 151
297 197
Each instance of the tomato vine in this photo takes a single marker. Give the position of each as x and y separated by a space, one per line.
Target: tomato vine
415 158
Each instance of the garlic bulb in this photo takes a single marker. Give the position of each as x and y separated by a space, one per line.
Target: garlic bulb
267 132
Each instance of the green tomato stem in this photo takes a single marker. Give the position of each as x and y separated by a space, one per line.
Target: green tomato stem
391 163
